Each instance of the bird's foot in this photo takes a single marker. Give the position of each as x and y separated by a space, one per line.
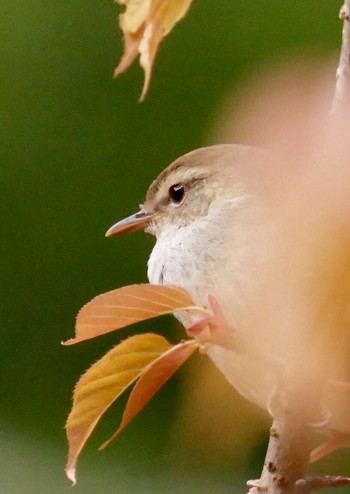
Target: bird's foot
337 440
214 329
323 421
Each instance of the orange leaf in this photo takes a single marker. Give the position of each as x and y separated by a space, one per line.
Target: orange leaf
153 377
103 383
127 305
144 24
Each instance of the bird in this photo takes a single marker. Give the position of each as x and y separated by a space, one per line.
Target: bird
210 211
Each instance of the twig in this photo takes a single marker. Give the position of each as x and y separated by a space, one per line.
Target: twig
304 486
295 406
341 100
287 456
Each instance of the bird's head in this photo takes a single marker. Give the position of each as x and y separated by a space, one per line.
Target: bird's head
184 192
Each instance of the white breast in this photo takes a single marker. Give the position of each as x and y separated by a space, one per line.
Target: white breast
217 257
185 256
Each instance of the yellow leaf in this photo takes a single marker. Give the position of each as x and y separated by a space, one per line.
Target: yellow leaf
144 24
153 377
135 14
103 383
127 305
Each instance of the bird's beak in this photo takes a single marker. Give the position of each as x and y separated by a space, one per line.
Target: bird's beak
133 223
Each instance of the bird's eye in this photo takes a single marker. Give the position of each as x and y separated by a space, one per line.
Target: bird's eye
176 193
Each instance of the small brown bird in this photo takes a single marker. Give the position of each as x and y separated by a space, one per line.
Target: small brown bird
210 212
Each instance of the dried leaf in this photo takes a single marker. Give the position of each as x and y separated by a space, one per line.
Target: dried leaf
153 377
144 24
103 383
127 305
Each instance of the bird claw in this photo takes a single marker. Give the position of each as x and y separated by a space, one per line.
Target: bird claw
323 422
337 440
213 329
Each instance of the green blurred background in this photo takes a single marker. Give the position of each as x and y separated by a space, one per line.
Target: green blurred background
77 153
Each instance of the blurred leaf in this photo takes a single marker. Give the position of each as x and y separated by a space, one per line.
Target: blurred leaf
153 377
103 383
127 305
144 24
335 442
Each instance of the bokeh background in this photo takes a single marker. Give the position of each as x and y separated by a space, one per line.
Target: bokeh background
77 153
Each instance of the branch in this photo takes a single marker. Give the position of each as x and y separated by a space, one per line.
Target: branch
341 98
288 454
295 407
316 483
